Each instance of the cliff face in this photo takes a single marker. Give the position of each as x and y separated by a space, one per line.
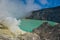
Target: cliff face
50 14
48 32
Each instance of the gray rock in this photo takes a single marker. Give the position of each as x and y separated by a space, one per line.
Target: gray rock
50 14
29 36
47 32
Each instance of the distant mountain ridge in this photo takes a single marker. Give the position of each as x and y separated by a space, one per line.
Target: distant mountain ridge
58 7
50 14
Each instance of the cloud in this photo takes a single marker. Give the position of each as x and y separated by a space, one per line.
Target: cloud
16 8
43 2
31 6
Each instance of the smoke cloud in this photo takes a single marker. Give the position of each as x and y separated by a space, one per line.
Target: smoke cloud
16 8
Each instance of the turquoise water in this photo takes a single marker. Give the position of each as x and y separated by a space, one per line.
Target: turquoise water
28 24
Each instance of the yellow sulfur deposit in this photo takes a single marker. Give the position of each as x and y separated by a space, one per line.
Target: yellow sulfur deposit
6 32
9 29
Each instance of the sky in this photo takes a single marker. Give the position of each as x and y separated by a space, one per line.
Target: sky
45 3
23 8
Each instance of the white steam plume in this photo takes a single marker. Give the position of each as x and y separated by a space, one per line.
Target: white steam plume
16 8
